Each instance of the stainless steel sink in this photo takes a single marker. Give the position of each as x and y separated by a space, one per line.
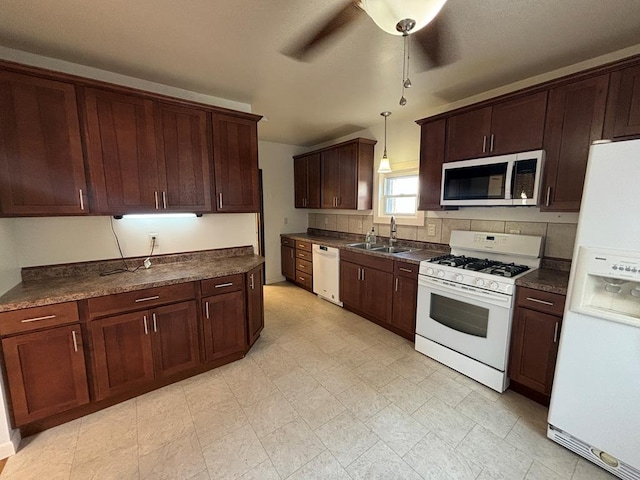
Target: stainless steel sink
387 249
376 247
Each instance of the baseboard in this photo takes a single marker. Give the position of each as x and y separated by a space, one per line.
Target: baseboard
276 279
11 447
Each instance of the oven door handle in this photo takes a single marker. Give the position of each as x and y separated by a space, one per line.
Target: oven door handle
446 286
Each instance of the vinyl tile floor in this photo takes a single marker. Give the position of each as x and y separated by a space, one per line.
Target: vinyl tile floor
323 394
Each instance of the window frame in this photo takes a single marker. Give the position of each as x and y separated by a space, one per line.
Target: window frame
399 170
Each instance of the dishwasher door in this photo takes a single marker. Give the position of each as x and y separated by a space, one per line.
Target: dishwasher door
326 273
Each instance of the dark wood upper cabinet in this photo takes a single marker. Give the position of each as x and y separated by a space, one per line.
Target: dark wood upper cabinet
175 338
46 373
235 160
623 108
507 127
121 154
41 163
575 119
306 174
432 145
182 149
255 303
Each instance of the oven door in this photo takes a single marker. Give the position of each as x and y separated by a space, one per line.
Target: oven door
468 320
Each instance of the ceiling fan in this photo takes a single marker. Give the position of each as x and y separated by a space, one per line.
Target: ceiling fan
417 19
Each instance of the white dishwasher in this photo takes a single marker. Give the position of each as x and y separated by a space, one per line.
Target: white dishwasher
326 273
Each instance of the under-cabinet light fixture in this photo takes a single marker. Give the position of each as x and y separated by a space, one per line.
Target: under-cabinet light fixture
156 215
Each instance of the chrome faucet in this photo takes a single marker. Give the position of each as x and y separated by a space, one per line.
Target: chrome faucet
394 236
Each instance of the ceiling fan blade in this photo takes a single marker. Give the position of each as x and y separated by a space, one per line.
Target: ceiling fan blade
345 16
436 44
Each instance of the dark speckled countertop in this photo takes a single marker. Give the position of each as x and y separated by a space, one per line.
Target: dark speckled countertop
415 256
85 282
547 280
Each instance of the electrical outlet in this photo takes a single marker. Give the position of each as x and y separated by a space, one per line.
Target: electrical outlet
326 221
431 230
286 220
359 225
152 237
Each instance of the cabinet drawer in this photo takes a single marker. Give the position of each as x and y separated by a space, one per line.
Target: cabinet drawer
304 279
217 286
149 297
35 318
304 266
404 269
540 301
289 242
304 255
301 245
379 263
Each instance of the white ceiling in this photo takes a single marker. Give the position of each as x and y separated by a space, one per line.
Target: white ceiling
231 49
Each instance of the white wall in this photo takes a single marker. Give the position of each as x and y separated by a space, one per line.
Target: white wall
280 216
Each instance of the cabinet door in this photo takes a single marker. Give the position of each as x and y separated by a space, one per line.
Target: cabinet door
518 125
255 304
347 156
121 156
432 141
377 294
468 135
623 109
288 258
235 160
41 164
174 338
330 178
534 347
350 284
225 323
300 182
575 119
306 173
46 373
183 158
405 298
123 353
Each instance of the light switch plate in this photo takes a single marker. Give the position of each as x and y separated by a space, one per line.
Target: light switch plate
431 230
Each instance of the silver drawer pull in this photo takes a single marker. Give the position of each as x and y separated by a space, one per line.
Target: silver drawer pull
302 279
37 319
146 299
224 285
301 254
252 281
155 197
544 302
408 270
75 340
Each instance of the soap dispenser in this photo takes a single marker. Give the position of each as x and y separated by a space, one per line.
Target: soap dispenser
372 236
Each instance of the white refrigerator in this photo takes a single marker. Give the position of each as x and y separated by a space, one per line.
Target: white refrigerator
595 401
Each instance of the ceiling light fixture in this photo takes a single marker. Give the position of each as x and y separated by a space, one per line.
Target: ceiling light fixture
385 166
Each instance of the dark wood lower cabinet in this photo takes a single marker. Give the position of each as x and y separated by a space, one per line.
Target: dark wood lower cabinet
288 259
405 299
46 373
350 286
255 303
377 294
175 338
224 325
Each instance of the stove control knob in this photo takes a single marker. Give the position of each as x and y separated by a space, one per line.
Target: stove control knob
459 277
441 273
479 282
493 285
429 271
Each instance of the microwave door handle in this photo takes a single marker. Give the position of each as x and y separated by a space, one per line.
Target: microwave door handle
508 184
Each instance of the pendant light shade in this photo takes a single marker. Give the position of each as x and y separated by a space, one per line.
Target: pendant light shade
385 166
387 14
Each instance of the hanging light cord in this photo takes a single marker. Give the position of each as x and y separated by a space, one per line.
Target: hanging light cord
385 137
406 83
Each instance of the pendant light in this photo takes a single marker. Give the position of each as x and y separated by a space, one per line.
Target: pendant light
385 166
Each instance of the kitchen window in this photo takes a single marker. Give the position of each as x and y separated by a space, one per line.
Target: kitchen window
398 197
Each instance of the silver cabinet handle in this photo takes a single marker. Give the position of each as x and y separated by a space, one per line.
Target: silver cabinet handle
224 285
484 144
81 200
251 281
155 196
358 273
363 274
220 201
146 299
75 340
37 319
408 270
146 327
546 203
292 253
206 309
396 284
301 279
544 302
164 200
301 254
555 333
155 322
491 143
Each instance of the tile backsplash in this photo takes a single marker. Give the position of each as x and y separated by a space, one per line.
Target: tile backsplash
559 237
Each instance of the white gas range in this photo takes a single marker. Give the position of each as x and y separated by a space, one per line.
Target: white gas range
465 302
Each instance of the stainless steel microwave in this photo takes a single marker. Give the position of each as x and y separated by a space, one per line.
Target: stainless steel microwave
503 180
